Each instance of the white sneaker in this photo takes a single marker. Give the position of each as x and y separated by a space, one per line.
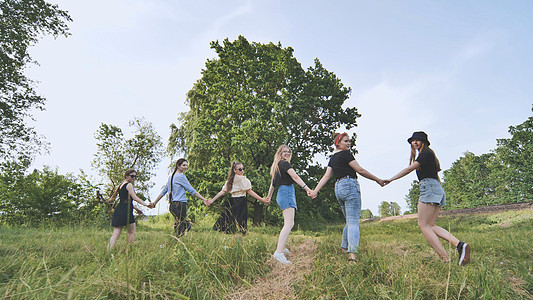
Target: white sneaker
281 258
286 251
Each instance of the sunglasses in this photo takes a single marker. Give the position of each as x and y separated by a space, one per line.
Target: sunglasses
240 169
133 176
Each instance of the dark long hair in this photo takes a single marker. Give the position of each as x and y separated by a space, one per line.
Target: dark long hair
178 163
128 172
231 176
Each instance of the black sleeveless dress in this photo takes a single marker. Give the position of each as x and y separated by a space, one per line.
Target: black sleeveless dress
123 209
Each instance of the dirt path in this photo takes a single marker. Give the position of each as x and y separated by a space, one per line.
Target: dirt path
278 283
466 211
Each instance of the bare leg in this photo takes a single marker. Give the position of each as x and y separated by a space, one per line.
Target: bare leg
427 214
288 223
441 232
114 237
131 233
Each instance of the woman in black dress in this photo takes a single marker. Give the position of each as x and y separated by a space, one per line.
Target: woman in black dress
123 214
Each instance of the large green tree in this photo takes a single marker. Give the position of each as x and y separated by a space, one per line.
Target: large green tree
250 99
366 214
116 153
22 22
395 209
515 155
384 209
469 183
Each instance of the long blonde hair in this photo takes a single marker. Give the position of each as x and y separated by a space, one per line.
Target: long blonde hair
277 158
412 158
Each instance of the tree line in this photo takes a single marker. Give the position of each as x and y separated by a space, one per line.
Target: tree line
504 175
250 99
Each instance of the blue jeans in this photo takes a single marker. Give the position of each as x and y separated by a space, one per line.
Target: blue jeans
348 194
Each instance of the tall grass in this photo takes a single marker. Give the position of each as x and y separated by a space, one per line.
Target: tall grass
395 261
73 263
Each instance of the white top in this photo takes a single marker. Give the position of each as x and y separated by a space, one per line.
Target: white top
241 185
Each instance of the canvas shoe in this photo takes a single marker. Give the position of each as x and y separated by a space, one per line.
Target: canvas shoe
281 258
464 253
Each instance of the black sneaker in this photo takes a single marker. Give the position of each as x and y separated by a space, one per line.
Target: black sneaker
464 253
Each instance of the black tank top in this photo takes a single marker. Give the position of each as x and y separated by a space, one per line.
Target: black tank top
123 193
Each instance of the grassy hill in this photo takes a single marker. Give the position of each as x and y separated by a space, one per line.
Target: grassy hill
395 262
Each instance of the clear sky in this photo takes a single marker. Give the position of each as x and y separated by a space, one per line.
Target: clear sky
462 71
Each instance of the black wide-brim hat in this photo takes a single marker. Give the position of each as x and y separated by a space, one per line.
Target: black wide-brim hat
420 136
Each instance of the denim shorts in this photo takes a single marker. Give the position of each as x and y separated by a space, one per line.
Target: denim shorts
431 192
286 197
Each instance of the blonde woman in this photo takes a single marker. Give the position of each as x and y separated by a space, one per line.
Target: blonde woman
283 177
432 197
123 214
234 215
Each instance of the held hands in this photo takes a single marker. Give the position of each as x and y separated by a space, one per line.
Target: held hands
312 194
266 201
151 205
383 182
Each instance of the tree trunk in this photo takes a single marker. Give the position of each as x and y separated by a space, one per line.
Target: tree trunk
258 213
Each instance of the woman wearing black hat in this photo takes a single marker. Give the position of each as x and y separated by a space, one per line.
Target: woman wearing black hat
432 197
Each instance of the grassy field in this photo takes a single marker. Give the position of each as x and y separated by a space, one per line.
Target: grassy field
395 262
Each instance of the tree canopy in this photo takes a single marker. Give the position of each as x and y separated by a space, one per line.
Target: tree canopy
116 153
412 197
250 99
22 22
45 195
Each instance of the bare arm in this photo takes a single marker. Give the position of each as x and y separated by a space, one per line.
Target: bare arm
270 191
256 196
405 171
363 172
220 194
324 179
197 195
298 180
134 196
